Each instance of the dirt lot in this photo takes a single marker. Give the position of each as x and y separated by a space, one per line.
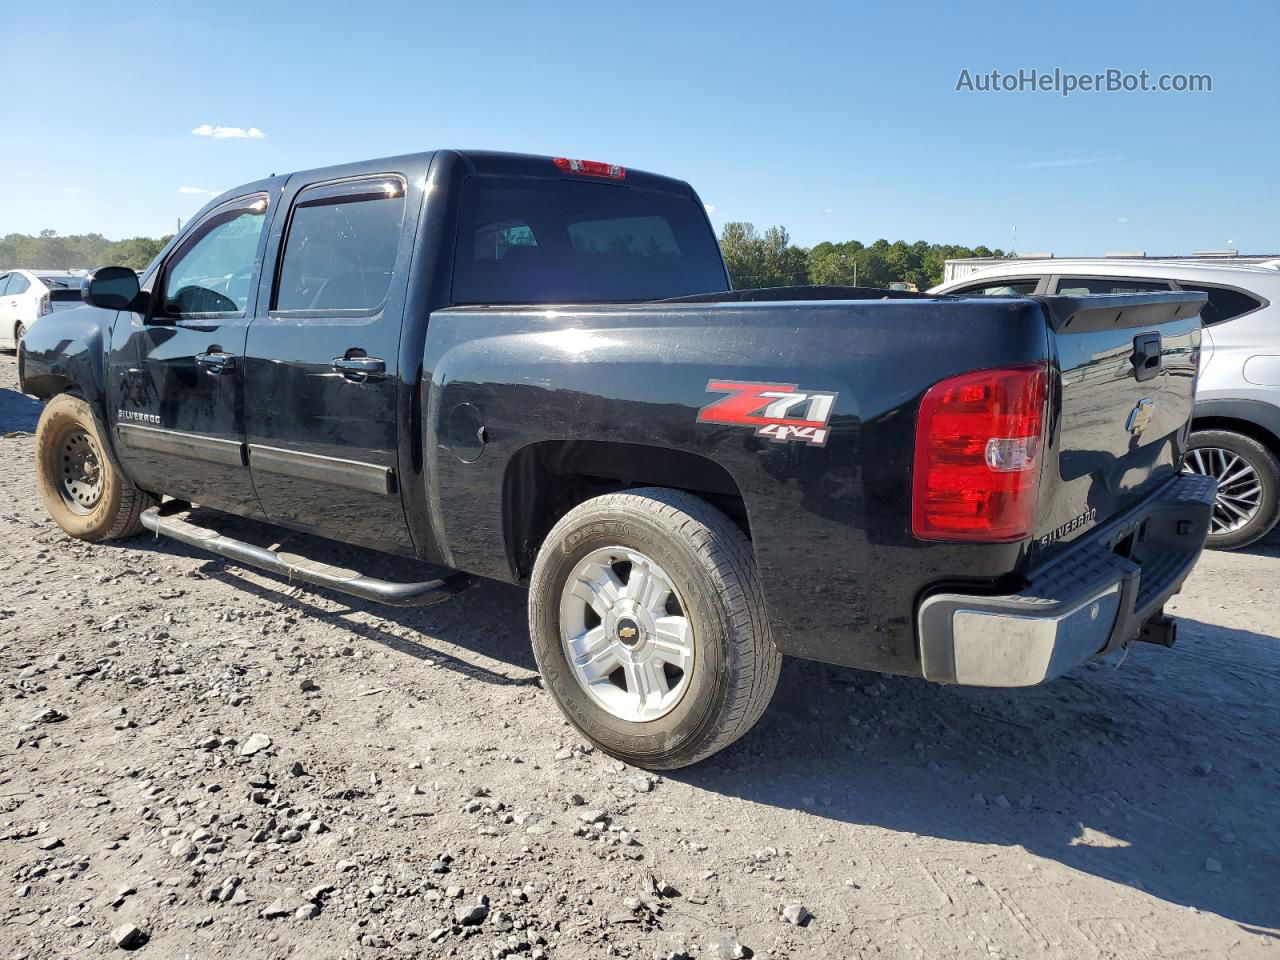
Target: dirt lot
240 768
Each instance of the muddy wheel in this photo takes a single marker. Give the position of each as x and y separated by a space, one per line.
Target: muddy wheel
79 481
649 627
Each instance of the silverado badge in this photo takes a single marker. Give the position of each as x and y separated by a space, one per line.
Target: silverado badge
777 410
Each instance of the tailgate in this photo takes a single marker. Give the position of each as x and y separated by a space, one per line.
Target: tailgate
1128 366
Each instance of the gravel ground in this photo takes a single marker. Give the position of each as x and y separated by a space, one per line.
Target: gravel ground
200 760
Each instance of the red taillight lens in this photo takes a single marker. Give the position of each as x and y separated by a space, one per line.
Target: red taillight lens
591 168
45 306
977 467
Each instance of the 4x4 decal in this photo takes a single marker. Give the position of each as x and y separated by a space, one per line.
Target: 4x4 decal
777 410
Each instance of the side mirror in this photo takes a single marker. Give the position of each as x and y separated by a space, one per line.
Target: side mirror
111 288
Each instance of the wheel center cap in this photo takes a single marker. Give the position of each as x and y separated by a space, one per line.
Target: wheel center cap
629 632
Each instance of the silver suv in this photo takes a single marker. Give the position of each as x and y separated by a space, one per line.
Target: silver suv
1236 430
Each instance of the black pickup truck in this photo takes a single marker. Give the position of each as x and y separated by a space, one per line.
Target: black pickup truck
533 369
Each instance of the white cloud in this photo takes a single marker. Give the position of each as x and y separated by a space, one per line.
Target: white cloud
72 190
185 189
1123 220
711 207
826 210
228 133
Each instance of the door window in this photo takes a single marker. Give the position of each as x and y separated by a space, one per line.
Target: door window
1225 303
17 284
342 246
1080 286
4 283
1001 288
212 272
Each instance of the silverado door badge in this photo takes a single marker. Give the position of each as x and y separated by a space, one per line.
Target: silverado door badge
777 410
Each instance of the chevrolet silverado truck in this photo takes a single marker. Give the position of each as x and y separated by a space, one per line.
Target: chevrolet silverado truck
534 370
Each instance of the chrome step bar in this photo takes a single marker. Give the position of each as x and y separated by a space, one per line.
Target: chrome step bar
301 568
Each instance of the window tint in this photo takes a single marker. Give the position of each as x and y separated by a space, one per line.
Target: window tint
61 283
4 282
1079 286
1224 304
214 273
530 240
997 288
18 284
341 250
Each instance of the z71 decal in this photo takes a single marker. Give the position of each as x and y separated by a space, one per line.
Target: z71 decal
777 410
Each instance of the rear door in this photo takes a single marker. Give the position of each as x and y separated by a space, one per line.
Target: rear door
323 376
174 388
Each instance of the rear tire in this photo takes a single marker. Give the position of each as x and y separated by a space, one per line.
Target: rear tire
79 480
670 562
1248 502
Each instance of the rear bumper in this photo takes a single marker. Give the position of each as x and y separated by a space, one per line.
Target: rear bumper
1092 599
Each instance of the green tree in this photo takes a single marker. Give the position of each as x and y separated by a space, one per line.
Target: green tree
762 260
86 251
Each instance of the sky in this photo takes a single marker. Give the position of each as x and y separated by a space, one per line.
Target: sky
839 121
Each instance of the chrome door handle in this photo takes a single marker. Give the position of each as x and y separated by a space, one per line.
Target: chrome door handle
217 363
360 369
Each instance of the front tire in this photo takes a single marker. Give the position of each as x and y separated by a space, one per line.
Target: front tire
79 480
649 628
1247 505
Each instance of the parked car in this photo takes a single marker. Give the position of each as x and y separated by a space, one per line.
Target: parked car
532 369
1236 430
28 295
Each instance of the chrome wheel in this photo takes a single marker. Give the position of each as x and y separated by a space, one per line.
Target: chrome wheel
626 634
79 471
1239 487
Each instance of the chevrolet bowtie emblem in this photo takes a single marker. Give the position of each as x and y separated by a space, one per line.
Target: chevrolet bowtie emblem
1140 416
626 633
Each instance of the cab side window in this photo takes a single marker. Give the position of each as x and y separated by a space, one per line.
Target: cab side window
1079 286
341 248
212 273
1000 288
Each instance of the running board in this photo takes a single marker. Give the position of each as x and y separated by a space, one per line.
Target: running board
300 568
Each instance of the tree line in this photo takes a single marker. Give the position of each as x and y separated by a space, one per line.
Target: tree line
87 251
755 259
769 259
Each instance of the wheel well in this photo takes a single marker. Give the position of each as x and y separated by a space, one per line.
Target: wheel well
546 480
1249 429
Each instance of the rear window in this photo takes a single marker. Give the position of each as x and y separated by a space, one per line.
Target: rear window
61 283
1224 303
528 240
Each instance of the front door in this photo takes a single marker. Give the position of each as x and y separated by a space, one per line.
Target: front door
175 373
322 377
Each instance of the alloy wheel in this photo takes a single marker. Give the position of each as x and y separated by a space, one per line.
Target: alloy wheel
1239 494
626 634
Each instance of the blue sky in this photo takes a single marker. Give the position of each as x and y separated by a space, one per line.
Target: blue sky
839 121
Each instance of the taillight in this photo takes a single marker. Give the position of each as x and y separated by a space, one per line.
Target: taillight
45 306
591 168
977 467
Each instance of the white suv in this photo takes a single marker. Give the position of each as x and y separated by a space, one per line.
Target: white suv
27 295
1236 427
